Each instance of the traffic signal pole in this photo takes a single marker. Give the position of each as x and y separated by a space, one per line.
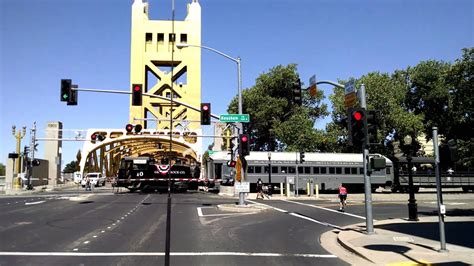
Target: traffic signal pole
367 185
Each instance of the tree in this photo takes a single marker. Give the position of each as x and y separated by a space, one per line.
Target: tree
269 103
70 167
78 159
2 169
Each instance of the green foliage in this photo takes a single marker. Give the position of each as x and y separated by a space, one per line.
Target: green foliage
70 167
269 103
2 169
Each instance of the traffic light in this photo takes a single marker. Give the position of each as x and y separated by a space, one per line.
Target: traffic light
296 91
26 150
357 127
244 145
65 89
72 100
205 113
138 128
137 94
129 128
301 156
453 150
372 126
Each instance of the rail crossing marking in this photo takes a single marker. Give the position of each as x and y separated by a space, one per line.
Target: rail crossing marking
111 254
322 208
298 215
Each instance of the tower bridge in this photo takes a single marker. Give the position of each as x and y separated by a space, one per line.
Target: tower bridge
161 70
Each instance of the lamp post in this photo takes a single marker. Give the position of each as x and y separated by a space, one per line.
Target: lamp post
236 60
270 187
239 91
412 206
18 134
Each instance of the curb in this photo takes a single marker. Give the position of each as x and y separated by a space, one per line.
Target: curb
245 208
350 249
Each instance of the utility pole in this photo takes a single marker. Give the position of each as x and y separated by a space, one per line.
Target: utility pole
32 158
18 135
367 185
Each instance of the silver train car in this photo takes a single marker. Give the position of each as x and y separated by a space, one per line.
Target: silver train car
327 170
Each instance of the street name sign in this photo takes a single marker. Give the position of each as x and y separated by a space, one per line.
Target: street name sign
240 118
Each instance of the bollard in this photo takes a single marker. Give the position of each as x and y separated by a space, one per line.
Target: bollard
281 189
308 191
317 191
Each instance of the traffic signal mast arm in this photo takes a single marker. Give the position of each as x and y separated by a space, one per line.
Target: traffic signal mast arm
146 94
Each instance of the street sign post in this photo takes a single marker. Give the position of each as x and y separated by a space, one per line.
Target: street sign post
312 86
349 94
239 118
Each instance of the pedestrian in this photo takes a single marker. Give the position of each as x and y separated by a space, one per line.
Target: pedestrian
88 183
450 171
342 197
259 188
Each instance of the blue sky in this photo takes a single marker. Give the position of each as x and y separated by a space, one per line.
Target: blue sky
43 41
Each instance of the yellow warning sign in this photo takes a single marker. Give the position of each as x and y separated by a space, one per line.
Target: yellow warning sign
238 170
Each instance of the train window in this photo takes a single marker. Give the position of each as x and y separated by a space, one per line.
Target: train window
300 169
291 170
258 169
323 170
315 170
307 170
332 170
338 170
387 170
265 169
251 169
274 169
284 169
347 171
361 171
353 171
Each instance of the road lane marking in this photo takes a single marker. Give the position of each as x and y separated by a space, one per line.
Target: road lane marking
34 203
326 209
110 254
298 215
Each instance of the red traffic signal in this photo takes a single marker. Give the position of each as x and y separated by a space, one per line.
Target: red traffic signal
94 136
129 128
205 113
231 164
244 145
137 94
357 115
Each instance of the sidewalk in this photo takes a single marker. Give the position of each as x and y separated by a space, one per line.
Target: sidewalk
37 189
398 241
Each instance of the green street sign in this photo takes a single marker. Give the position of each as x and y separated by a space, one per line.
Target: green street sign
210 152
241 118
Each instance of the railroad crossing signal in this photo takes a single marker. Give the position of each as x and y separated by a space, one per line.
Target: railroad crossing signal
137 128
357 127
137 94
205 113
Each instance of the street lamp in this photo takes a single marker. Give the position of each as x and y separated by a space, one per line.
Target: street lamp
270 187
236 60
239 90
412 206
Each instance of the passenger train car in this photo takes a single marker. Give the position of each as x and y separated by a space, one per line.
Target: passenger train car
327 170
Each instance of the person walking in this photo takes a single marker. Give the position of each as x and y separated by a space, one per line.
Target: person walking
259 188
342 198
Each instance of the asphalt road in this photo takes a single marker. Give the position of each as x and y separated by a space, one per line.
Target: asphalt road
130 229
